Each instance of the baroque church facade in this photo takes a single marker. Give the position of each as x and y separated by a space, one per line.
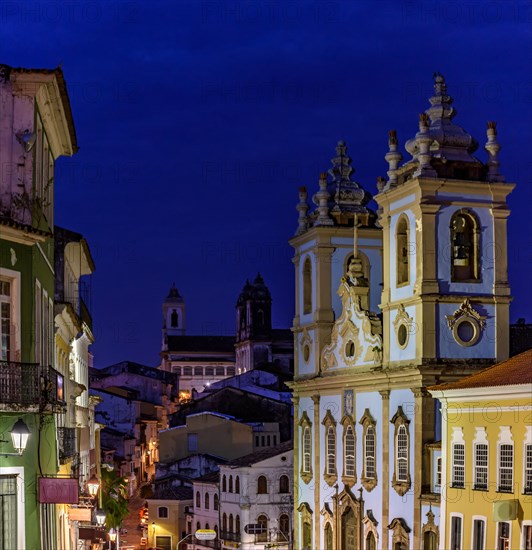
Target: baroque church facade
388 303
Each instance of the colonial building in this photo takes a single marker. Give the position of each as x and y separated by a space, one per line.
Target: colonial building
77 432
486 474
386 305
36 127
256 500
202 360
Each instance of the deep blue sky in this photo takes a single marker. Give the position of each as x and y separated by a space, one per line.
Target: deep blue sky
198 121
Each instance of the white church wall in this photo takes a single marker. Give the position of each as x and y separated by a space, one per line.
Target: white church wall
448 347
409 351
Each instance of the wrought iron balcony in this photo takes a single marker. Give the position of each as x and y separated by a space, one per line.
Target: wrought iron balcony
30 386
67 443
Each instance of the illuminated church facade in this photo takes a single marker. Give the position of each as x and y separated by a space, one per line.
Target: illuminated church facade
388 303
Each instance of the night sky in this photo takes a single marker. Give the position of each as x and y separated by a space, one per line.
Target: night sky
198 122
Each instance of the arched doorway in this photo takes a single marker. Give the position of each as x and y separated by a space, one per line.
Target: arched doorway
349 530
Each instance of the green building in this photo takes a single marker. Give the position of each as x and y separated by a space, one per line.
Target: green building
36 127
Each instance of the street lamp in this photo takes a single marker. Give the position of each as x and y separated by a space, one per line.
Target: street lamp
19 437
93 485
100 517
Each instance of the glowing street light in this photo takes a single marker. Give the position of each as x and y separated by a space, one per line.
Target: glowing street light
93 485
19 435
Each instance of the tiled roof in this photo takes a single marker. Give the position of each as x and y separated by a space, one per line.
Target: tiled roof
172 493
211 477
514 371
263 454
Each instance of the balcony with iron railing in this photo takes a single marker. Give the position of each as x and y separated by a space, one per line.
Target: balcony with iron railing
66 438
30 387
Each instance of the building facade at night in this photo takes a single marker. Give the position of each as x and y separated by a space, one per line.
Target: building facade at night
45 336
487 457
203 360
388 303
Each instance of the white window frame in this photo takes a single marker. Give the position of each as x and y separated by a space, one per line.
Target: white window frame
525 523
455 466
401 459
457 437
485 520
528 441
505 438
21 516
461 516
13 278
497 532
438 474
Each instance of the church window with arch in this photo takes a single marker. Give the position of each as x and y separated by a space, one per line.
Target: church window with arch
465 237
401 480
369 442
402 237
330 474
306 448
307 287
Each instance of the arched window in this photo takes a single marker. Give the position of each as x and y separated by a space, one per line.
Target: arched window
215 504
207 503
230 484
307 287
262 520
331 451
307 446
175 319
349 452
262 485
284 484
369 454
198 526
237 525
430 540
207 526
402 251
198 499
231 523
370 542
401 480
224 484
237 485
224 523
402 454
162 512
465 247
284 527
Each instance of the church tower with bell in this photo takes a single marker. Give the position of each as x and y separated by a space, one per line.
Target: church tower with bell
387 305
173 315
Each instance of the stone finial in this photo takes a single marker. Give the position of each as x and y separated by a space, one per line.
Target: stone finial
381 182
423 141
393 157
302 208
493 147
321 198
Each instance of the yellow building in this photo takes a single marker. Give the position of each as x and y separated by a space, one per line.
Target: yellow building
167 512
487 458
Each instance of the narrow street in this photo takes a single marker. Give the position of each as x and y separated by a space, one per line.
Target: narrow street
130 538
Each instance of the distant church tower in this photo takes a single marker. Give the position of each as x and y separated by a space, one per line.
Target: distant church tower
254 325
173 316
